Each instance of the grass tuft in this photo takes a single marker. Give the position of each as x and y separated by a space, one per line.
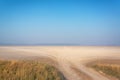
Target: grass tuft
28 70
109 69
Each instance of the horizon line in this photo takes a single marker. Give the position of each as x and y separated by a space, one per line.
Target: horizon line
57 45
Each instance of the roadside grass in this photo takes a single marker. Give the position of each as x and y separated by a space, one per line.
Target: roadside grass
109 69
28 70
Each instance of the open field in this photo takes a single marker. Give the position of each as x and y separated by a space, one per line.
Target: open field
70 60
28 70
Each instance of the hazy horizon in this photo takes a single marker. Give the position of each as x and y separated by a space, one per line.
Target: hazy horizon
60 22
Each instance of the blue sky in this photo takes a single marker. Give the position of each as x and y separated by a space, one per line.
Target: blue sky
77 22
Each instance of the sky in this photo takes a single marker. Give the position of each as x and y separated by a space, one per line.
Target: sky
63 22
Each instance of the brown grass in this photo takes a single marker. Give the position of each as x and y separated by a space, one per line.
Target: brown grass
28 70
109 69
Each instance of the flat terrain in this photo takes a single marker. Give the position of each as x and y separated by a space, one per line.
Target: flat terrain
70 60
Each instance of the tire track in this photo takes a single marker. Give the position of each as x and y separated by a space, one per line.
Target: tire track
71 69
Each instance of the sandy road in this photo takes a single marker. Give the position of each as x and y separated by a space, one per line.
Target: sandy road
66 57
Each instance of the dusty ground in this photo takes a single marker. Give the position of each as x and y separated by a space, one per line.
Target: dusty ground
70 60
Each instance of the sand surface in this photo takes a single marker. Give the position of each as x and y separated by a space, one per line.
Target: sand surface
70 59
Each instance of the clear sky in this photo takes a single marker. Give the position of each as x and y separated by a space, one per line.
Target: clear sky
77 22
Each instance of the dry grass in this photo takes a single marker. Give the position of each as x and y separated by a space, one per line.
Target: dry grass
109 69
28 70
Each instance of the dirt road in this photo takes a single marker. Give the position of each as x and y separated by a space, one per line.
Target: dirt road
71 59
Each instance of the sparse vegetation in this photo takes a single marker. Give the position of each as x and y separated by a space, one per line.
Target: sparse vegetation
110 69
28 70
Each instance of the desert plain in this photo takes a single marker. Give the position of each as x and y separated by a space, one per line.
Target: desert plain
70 60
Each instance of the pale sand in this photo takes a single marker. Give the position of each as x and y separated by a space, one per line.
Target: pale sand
65 56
